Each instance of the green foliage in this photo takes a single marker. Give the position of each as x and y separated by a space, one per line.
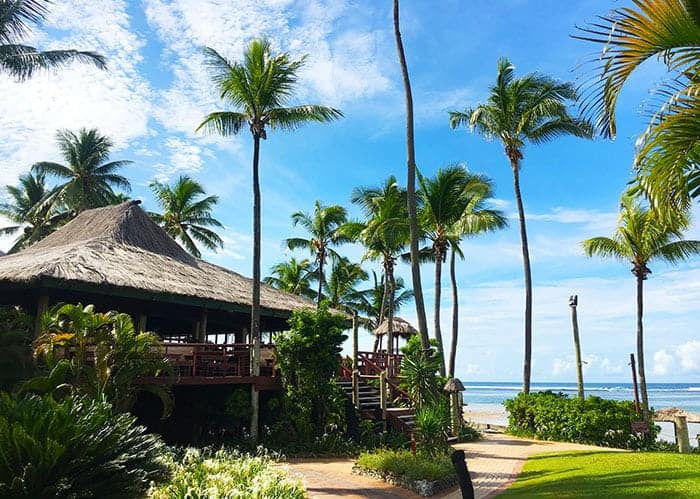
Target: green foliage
420 380
609 475
469 433
597 421
430 428
307 357
121 355
15 343
206 473
403 463
74 448
372 436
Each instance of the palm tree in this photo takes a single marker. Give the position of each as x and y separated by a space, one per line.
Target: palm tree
22 61
322 226
642 237
341 286
33 219
373 305
186 215
384 233
411 188
444 199
293 277
259 90
476 219
668 154
519 110
89 175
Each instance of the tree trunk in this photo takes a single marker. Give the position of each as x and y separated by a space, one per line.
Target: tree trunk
640 346
411 188
528 279
390 319
577 347
382 306
436 318
321 258
455 317
255 312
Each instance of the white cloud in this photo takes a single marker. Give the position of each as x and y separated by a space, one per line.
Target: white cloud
562 366
115 101
589 219
663 362
689 356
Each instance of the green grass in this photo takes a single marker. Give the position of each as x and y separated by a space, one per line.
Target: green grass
608 474
403 463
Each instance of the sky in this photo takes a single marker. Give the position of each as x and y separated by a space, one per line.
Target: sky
157 91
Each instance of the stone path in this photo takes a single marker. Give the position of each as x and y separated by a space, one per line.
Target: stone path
493 462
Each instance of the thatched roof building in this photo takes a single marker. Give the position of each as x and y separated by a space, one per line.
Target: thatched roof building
400 327
118 258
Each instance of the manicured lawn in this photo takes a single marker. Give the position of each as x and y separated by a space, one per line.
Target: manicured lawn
608 474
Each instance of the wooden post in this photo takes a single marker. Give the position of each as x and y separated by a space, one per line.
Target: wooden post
456 407
681 427
573 303
42 306
203 327
383 396
143 319
355 362
254 394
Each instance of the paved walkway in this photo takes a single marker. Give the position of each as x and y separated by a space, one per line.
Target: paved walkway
493 462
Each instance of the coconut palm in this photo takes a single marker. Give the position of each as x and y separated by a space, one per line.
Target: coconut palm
187 214
642 237
259 90
293 277
668 154
32 218
444 199
520 110
322 225
22 61
89 177
341 286
384 233
411 202
476 219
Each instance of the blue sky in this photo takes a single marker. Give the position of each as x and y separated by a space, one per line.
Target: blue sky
156 92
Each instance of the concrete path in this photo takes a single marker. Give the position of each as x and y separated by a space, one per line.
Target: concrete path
493 462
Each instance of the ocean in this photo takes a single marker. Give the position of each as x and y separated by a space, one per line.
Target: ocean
485 399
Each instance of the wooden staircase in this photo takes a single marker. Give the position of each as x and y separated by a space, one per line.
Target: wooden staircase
369 405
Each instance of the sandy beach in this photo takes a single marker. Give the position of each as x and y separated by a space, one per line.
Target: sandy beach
497 418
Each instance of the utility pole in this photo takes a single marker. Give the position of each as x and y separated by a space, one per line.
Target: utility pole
573 303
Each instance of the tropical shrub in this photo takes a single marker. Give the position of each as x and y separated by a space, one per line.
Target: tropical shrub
73 333
15 343
74 448
430 428
555 416
222 473
404 464
419 371
469 433
307 357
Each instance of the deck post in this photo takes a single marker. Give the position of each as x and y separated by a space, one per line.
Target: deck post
681 427
254 394
42 306
383 396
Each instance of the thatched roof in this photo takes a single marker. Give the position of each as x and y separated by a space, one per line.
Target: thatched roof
400 327
668 413
120 250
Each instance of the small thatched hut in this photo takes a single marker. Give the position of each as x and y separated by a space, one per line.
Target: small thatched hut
401 328
117 258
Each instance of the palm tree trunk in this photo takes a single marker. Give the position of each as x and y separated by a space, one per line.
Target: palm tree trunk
528 278
436 318
390 319
411 188
321 257
382 306
640 346
455 315
255 311
577 347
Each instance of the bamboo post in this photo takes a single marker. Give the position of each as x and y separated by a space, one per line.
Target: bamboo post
681 427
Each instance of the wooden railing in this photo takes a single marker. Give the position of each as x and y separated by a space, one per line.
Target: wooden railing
374 363
216 360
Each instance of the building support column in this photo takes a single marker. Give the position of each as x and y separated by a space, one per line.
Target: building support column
42 306
143 319
254 394
202 336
